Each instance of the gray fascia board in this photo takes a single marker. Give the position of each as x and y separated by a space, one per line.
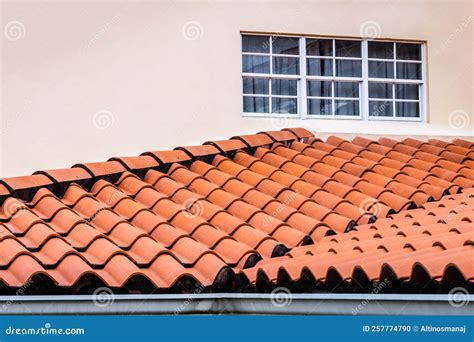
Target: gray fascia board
294 304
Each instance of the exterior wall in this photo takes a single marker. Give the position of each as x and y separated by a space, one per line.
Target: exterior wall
85 81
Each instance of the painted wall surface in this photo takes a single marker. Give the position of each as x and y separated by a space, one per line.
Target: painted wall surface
85 81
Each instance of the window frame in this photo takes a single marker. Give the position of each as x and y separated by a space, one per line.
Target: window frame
271 76
303 77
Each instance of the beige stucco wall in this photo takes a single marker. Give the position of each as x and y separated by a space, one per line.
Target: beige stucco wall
154 88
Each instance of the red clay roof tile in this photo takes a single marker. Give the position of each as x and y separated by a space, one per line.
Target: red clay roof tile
167 157
252 198
300 132
199 151
254 140
136 163
280 136
102 168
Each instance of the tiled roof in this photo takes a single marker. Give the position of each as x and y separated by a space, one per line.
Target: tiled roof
242 214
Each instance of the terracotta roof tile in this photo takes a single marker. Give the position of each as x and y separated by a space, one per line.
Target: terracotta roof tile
301 133
103 168
281 136
199 151
166 157
137 163
254 140
329 210
25 182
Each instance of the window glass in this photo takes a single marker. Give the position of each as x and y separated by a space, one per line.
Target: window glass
260 44
319 89
346 89
319 107
348 68
254 104
381 50
380 90
286 65
285 46
253 85
407 91
284 87
407 109
409 71
319 67
284 105
380 108
348 48
408 51
318 47
346 107
256 64
378 69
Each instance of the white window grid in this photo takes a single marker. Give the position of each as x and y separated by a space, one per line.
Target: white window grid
397 81
363 99
334 78
271 76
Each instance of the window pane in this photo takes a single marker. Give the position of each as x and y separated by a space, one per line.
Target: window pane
381 50
347 107
380 108
253 85
319 107
407 91
348 48
408 109
256 64
409 51
409 71
286 46
319 47
284 105
380 69
256 104
380 90
286 65
319 67
284 87
319 88
346 89
260 44
348 68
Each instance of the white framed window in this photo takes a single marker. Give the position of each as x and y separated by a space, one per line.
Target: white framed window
270 75
336 78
